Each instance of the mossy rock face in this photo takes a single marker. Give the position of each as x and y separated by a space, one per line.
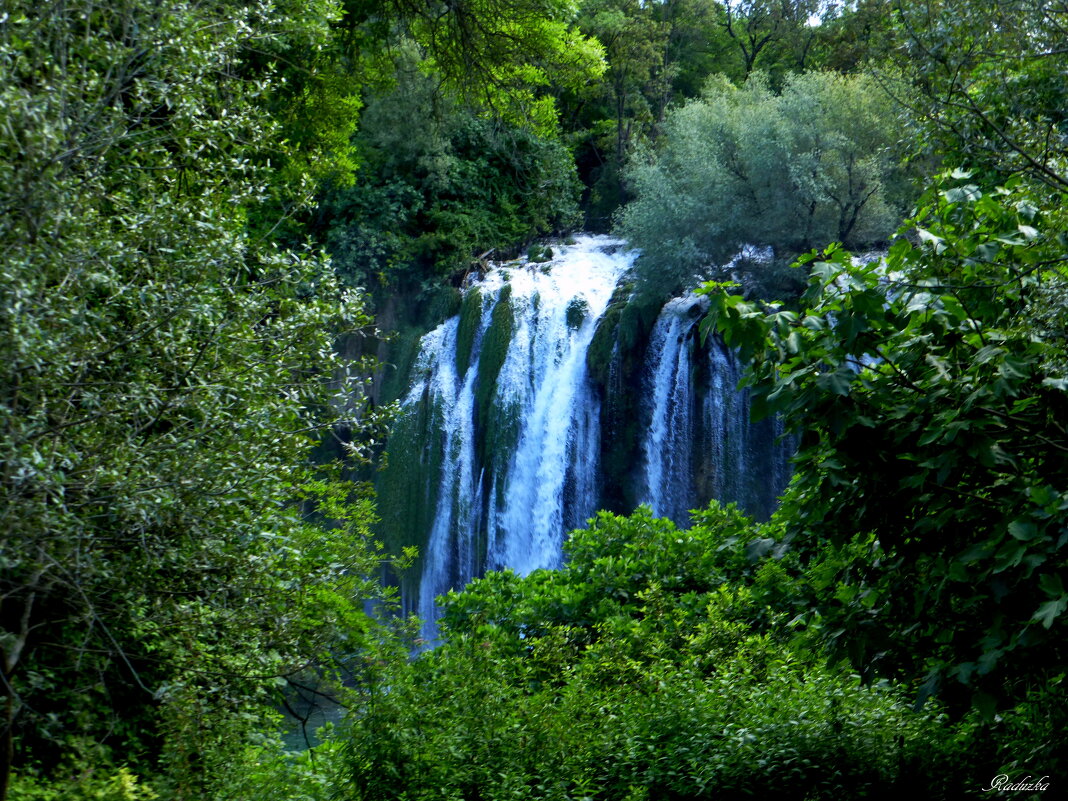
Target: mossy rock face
615 359
494 351
444 302
500 433
407 487
470 321
603 345
577 312
401 352
539 254
635 322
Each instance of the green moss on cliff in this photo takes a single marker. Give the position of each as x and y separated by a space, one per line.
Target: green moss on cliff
443 302
603 344
495 343
577 312
407 487
615 361
398 356
470 320
636 321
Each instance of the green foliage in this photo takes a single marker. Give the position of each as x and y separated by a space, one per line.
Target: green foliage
656 53
90 785
434 195
635 42
763 29
635 672
747 166
163 378
505 56
267 772
934 450
988 81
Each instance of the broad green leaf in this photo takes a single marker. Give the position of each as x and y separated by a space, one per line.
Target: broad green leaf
1051 584
1024 530
1049 611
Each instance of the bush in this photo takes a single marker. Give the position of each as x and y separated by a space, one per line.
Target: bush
430 198
635 672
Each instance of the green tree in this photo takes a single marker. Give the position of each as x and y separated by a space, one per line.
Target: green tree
856 36
655 664
657 53
504 55
163 376
746 166
987 83
929 485
761 27
430 198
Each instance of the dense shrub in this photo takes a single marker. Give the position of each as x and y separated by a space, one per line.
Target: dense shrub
635 672
432 196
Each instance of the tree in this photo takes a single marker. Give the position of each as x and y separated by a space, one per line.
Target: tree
929 485
429 199
634 42
987 81
163 376
756 26
655 663
504 55
855 36
746 166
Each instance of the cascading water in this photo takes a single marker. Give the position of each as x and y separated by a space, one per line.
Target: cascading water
518 424
699 442
668 447
449 547
497 451
549 484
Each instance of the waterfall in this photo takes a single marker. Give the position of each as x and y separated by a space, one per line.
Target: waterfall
668 447
499 446
449 546
550 484
699 442
517 426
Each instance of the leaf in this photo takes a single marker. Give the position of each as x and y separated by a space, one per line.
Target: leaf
1012 367
1051 584
837 382
1026 209
1023 530
1050 611
967 193
935 241
759 548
